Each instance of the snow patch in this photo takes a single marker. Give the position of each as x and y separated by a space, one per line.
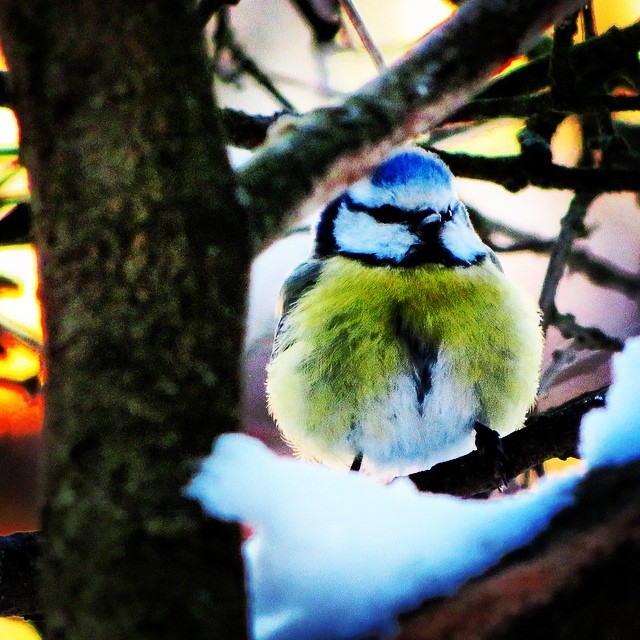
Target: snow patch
611 435
336 555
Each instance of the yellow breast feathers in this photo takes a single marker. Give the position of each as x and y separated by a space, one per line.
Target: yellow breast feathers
339 348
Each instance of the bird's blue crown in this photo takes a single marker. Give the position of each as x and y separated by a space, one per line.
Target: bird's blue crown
410 166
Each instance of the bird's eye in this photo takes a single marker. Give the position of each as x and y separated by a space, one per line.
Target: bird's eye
447 215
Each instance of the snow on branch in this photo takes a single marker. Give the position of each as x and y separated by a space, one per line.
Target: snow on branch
574 577
335 554
552 433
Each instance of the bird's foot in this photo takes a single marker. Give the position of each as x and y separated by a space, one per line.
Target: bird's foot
357 462
492 455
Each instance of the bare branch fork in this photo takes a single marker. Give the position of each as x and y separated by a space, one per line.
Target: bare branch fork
595 127
330 148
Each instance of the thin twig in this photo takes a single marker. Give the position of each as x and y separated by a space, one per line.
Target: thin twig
9 326
571 226
219 38
603 274
602 119
518 240
605 56
530 243
527 105
224 38
207 8
6 90
561 72
363 33
588 21
323 26
250 67
584 337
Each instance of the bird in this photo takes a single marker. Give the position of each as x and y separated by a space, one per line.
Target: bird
400 342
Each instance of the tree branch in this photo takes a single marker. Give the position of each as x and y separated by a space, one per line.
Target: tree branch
531 104
550 434
517 172
324 25
597 271
332 147
207 8
561 71
247 131
139 173
518 240
612 52
603 274
250 131
585 337
363 33
607 52
571 226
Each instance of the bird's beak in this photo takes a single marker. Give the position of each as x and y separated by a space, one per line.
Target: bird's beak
428 225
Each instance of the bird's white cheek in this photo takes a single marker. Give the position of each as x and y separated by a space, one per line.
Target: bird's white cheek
356 232
461 241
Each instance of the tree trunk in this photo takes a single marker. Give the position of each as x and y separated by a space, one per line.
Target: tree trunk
144 253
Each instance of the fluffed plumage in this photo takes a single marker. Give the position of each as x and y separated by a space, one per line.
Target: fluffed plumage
401 332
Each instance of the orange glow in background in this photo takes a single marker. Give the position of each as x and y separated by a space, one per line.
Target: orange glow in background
20 343
20 318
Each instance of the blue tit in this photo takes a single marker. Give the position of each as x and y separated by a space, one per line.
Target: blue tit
401 335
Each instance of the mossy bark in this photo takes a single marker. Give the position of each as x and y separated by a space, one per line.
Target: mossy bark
144 253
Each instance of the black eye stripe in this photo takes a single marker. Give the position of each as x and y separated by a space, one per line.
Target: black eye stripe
387 213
